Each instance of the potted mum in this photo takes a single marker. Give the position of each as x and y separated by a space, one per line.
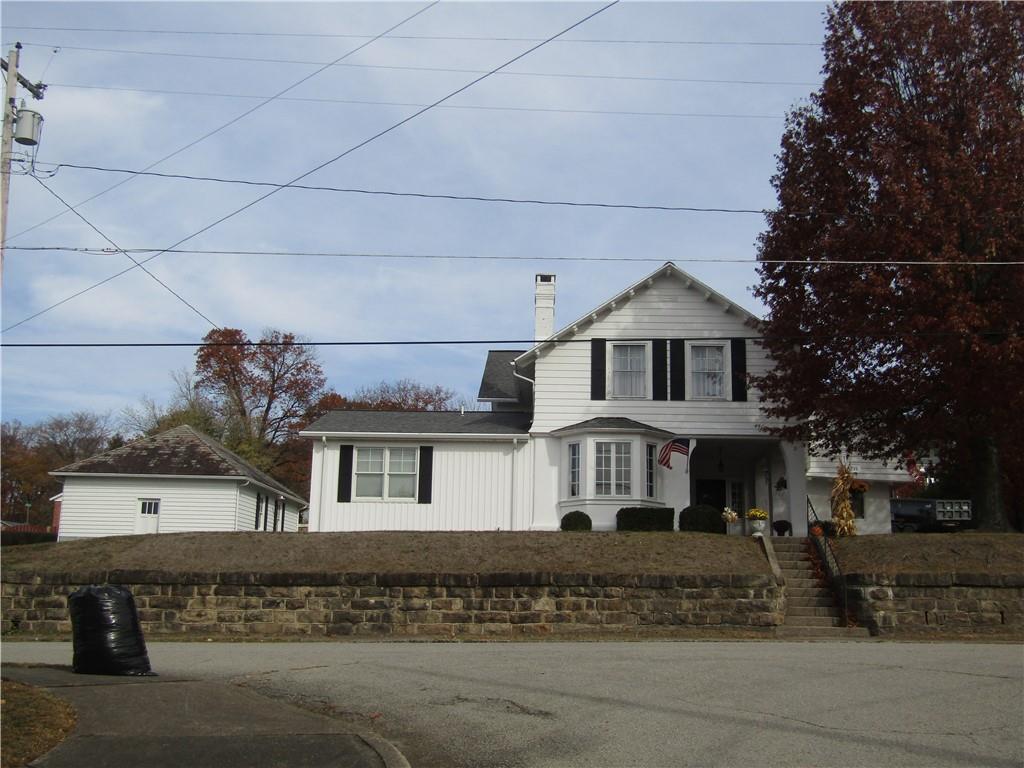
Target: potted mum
758 519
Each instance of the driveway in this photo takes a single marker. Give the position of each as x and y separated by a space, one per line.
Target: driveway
639 703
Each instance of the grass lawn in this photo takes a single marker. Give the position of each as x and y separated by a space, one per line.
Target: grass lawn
488 551
33 722
933 553
402 551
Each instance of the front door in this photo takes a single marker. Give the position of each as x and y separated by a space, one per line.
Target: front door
148 519
710 492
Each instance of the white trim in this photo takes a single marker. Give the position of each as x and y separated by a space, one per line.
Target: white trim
413 436
668 269
234 478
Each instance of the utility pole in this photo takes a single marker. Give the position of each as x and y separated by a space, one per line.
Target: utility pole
7 149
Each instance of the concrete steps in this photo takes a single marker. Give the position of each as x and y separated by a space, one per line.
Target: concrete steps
810 609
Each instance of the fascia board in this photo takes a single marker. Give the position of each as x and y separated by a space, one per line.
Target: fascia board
136 476
435 436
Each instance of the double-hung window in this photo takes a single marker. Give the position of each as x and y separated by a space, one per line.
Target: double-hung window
385 473
629 370
650 486
574 469
708 366
613 469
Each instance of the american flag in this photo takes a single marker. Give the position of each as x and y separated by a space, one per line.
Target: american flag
675 445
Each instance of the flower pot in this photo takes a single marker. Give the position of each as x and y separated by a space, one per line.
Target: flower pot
758 526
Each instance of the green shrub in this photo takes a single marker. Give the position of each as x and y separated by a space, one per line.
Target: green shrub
702 517
644 519
577 521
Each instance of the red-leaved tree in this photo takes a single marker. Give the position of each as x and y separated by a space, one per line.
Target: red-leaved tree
912 155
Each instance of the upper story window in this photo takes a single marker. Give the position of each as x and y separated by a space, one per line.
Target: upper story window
574 469
385 473
629 370
613 469
709 377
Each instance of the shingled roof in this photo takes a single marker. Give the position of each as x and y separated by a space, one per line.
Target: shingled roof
420 423
498 381
182 451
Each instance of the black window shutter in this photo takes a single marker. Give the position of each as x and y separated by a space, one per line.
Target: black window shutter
259 500
597 369
739 370
345 473
677 383
659 369
426 474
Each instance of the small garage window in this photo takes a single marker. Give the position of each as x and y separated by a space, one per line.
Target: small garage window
150 506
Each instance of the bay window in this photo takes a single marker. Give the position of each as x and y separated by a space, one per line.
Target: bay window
613 469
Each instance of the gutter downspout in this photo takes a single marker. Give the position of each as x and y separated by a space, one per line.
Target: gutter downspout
320 491
512 488
533 392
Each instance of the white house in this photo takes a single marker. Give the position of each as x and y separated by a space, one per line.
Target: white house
577 423
178 480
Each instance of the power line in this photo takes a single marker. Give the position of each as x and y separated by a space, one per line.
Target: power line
475 198
456 257
366 102
326 163
448 342
118 248
254 59
234 120
471 38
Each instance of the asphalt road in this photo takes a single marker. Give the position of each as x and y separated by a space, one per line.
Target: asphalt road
642 703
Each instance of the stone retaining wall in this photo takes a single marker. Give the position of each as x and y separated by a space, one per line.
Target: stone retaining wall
497 605
939 602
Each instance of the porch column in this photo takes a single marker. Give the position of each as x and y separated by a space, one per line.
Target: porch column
794 456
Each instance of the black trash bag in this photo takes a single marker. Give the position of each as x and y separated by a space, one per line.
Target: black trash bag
107 635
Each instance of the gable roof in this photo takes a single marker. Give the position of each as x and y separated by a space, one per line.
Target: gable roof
420 423
668 269
180 452
499 382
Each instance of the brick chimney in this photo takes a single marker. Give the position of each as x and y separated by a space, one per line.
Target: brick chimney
543 307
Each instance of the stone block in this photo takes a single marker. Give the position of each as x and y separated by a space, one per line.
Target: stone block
446 604
230 617
346 617
503 604
370 604
341 628
166 601
527 617
490 617
312 617
619 617
424 617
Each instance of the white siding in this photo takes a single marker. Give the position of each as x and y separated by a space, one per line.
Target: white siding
246 519
665 310
109 506
472 489
876 519
865 469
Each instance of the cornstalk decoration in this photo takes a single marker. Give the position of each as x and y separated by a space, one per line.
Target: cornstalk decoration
842 509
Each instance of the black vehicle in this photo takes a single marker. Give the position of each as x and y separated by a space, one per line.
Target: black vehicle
909 515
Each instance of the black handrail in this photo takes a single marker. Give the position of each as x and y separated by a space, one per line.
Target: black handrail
836 577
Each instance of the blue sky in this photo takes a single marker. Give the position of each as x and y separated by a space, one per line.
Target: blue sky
552 129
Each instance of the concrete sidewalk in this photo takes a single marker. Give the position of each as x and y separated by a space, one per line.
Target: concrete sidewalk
153 722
